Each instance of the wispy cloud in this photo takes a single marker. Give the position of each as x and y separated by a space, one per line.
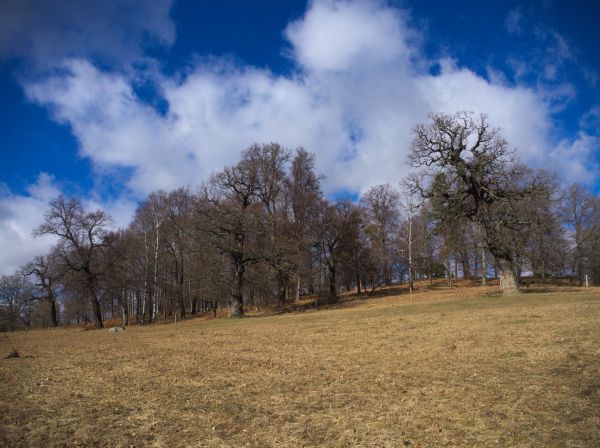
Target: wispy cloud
513 21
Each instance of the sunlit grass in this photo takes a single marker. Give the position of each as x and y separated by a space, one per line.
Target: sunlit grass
453 368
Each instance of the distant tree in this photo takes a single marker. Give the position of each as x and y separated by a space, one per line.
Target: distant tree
270 162
410 204
576 211
82 244
16 293
303 196
591 242
332 225
355 249
381 205
233 219
542 244
149 221
47 271
482 181
178 235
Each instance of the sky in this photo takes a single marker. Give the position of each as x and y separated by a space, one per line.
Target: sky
109 101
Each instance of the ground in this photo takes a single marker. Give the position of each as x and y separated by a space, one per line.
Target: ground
461 368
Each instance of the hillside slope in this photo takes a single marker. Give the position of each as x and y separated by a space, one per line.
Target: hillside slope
460 370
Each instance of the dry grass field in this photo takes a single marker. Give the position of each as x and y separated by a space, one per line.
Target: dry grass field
465 368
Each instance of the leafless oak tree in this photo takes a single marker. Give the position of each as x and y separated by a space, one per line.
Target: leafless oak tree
479 178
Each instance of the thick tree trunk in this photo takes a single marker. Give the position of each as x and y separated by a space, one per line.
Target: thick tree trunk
181 307
237 306
125 314
53 312
281 289
97 313
508 277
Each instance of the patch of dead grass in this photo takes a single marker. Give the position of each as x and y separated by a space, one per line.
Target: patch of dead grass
445 368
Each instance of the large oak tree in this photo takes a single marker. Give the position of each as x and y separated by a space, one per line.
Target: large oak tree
477 177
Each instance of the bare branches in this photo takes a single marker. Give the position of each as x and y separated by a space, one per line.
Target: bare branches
82 242
476 177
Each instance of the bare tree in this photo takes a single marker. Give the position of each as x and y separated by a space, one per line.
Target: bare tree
381 204
271 163
484 181
303 196
233 218
179 215
332 226
15 302
576 210
47 271
82 245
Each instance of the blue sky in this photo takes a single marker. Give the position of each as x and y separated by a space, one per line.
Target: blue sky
112 100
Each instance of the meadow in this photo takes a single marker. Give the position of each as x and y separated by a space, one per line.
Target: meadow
454 368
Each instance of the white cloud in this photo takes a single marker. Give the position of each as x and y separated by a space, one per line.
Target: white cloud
358 90
343 35
570 156
19 215
353 101
121 210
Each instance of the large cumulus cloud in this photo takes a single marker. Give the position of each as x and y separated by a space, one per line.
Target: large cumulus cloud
359 86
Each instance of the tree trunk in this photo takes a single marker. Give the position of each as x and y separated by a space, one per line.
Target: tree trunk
53 312
508 277
483 268
237 310
456 266
332 284
387 278
97 313
125 314
150 305
281 288
181 307
138 308
466 268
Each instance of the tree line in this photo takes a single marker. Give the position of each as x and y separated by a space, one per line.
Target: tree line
261 233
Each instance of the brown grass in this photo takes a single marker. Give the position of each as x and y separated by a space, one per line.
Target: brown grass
463 368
